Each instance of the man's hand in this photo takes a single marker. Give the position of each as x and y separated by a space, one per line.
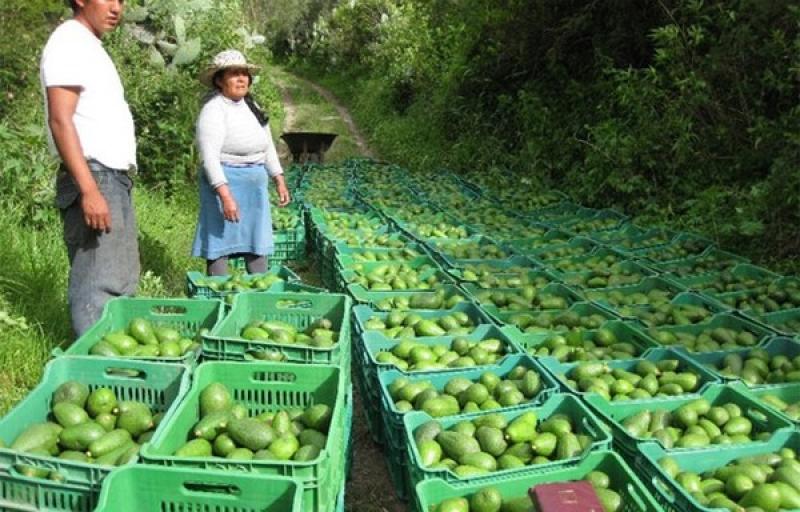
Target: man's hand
96 212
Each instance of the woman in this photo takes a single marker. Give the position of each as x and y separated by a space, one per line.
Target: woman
235 147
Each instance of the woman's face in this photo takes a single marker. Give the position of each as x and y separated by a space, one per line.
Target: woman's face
234 83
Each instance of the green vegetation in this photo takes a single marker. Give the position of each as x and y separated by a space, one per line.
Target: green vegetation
679 112
164 102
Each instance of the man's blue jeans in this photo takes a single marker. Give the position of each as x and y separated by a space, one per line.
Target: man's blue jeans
102 265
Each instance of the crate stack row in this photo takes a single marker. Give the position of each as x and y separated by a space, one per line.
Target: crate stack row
238 398
623 319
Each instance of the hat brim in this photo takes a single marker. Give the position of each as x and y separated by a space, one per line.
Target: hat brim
207 75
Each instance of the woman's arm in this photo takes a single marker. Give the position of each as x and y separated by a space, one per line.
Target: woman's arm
210 137
275 170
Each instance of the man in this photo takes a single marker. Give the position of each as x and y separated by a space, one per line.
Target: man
91 130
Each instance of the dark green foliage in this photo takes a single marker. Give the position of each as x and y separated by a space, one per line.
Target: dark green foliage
680 111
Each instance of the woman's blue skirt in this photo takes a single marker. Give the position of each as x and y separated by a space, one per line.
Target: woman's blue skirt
216 237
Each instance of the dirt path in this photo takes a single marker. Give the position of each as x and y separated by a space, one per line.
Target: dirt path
290 109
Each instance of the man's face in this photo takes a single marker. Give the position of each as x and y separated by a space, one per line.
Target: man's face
100 16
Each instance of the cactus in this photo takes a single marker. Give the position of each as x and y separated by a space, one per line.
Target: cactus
156 59
136 14
187 52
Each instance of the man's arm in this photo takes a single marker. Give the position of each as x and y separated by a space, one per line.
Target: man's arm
61 103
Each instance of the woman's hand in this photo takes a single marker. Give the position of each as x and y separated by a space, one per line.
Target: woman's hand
284 197
230 210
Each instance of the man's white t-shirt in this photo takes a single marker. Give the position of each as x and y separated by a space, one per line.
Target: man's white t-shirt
75 57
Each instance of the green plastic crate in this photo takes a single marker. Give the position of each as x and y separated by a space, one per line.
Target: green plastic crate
176 489
727 320
706 378
730 299
659 255
671 496
225 341
577 246
363 313
789 393
693 266
779 320
742 272
581 417
635 494
393 418
289 245
199 285
19 493
359 292
632 268
185 315
159 385
647 285
347 256
611 220
625 332
264 387
530 244
374 343
764 418
506 319
375 299
449 260
681 299
505 266
571 296
561 213
774 346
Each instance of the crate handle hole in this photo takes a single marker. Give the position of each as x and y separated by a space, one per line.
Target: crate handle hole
274 377
126 373
664 489
300 304
203 487
168 310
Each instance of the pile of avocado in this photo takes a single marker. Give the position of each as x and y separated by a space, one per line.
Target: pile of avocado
678 250
142 338
437 299
584 345
367 256
470 250
489 499
606 278
521 299
728 281
239 282
461 396
566 250
709 339
647 380
757 367
403 324
762 300
226 429
388 277
486 276
492 443
695 424
603 261
90 427
591 225
284 219
319 334
790 409
766 483
545 322
410 355
624 297
667 314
